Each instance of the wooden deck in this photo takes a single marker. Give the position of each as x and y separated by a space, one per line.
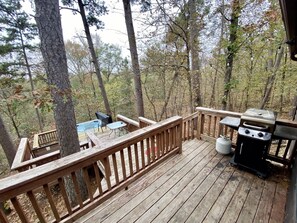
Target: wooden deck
197 186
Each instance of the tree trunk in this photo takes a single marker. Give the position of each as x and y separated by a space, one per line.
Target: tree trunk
249 79
14 124
189 79
134 57
166 100
271 79
93 86
94 57
194 50
281 101
53 51
7 143
151 102
212 102
231 51
40 122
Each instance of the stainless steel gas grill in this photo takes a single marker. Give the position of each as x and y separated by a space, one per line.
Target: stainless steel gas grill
254 138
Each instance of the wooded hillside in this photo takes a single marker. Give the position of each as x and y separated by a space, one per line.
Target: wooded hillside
221 54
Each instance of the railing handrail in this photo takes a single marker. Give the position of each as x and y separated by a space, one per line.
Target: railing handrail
190 116
24 165
22 151
132 125
39 141
143 122
47 132
285 122
218 112
36 177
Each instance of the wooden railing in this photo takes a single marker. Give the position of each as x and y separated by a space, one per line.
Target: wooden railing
283 147
125 160
45 142
190 124
25 159
132 125
143 122
282 150
209 127
23 154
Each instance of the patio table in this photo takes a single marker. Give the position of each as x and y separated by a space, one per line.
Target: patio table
116 126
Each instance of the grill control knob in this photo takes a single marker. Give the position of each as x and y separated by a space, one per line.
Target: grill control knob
260 134
247 131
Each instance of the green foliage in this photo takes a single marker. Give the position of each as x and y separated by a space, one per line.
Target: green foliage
257 44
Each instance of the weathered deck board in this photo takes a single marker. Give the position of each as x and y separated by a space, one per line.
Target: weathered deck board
112 205
198 185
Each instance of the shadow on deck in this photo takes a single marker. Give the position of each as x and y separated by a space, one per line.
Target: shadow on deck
197 186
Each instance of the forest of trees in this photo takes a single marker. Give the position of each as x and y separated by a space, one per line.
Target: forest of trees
223 54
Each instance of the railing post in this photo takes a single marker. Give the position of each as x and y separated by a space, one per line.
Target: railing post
199 125
179 136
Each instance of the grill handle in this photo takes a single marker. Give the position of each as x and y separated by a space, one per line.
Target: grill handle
255 126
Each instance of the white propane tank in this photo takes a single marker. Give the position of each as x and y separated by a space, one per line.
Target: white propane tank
223 145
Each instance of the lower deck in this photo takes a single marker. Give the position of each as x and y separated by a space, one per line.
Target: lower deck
198 185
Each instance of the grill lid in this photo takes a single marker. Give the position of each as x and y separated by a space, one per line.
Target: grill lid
259 116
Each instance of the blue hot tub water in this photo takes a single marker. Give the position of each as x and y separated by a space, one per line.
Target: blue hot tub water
83 126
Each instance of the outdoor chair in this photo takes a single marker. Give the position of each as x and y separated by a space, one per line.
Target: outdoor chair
105 119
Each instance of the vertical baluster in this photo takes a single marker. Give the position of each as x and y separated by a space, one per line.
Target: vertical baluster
51 202
164 135
123 164
162 143
87 181
115 168
278 147
142 154
174 136
19 210
76 188
64 195
188 130
158 146
231 134
172 130
148 151
214 126
153 148
3 217
193 128
167 142
200 125
179 138
136 157
209 124
98 178
184 130
287 149
130 161
107 172
35 206
225 130
220 131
